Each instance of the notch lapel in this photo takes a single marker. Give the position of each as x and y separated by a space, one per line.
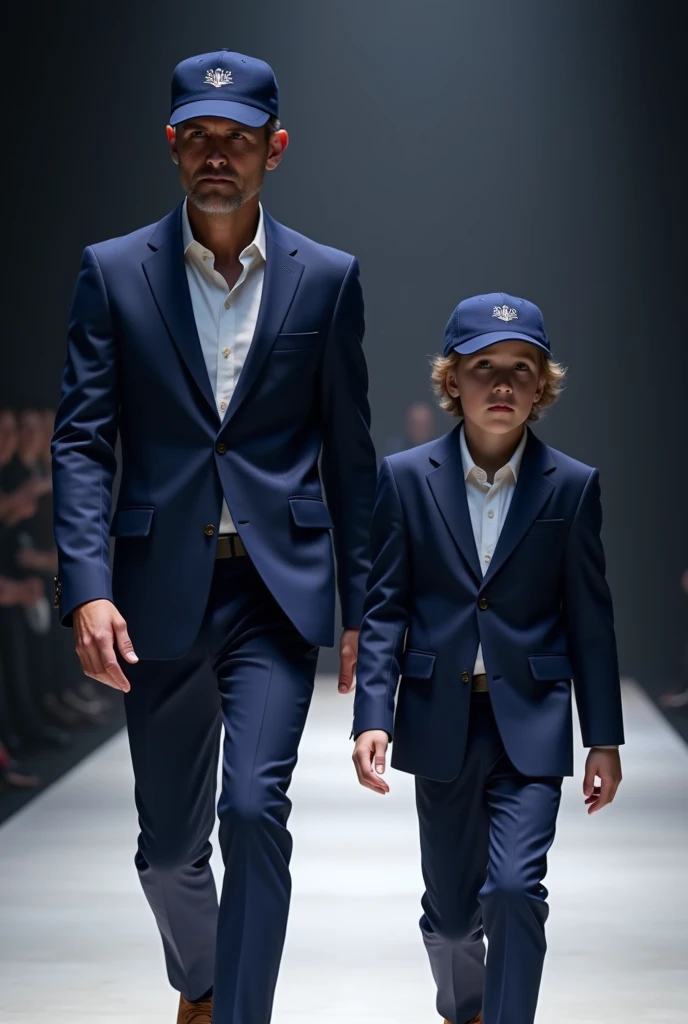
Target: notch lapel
533 488
165 271
282 276
449 491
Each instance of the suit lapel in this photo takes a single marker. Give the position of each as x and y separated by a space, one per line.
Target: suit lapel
533 488
449 491
282 277
166 273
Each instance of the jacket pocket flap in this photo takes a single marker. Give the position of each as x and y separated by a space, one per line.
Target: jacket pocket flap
550 667
132 522
311 513
418 664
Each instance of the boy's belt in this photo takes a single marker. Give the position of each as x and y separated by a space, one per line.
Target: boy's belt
230 545
479 684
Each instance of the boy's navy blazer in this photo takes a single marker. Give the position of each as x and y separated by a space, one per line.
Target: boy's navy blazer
543 613
135 366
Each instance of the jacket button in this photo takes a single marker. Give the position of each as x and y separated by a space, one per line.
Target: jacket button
220 448
465 676
483 604
209 530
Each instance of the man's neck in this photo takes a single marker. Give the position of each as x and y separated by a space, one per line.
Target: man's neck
491 451
225 234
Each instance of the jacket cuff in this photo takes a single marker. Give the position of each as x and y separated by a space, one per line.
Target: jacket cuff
70 593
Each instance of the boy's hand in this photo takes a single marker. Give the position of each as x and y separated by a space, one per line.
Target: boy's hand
606 765
369 760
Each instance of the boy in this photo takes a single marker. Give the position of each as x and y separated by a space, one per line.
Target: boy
488 595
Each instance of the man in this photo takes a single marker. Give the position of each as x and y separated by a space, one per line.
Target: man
226 349
419 427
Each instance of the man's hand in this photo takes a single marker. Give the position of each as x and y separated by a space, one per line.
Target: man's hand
369 760
97 625
348 655
606 765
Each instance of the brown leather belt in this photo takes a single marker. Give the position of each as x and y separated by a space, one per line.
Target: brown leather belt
230 545
479 684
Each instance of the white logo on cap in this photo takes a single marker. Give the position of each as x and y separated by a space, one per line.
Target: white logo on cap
218 78
505 313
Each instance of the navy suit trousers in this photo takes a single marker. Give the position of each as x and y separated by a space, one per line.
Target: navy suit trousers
484 837
250 671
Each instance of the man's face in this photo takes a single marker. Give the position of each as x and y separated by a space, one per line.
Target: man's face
419 422
222 163
498 385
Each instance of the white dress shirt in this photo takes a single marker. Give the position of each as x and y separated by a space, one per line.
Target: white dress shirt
488 505
225 320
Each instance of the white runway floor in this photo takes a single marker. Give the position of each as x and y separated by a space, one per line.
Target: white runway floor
78 944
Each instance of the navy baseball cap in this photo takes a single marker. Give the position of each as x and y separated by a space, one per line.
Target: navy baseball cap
224 84
483 320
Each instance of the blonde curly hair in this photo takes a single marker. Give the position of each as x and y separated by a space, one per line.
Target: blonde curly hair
553 372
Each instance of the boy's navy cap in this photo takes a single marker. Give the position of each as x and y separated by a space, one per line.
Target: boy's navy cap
224 84
483 320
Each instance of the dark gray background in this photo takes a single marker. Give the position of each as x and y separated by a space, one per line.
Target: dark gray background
456 148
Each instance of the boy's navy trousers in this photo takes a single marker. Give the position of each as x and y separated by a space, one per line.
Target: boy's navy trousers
484 837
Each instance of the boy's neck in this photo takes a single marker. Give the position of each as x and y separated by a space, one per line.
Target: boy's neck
491 451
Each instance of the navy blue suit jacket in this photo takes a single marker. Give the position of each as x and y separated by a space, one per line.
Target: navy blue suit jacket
543 613
135 366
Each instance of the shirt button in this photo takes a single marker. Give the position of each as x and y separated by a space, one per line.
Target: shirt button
490 514
206 255
487 558
228 304
225 352
223 405
483 604
209 530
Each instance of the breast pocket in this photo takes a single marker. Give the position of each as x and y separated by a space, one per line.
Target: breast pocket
298 342
542 529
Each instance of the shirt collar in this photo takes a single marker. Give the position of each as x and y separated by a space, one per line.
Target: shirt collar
514 463
258 242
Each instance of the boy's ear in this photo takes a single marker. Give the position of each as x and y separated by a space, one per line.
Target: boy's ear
451 385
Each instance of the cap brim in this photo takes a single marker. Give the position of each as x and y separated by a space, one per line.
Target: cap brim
485 340
252 117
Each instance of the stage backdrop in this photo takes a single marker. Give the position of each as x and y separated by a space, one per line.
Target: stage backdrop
455 148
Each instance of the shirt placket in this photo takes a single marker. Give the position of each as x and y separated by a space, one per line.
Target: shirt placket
225 354
490 528
226 335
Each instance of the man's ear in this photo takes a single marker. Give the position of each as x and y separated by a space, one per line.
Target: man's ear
172 141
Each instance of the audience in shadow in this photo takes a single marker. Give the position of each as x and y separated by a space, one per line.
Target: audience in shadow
44 695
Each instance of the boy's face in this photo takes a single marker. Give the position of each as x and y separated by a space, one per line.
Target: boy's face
499 385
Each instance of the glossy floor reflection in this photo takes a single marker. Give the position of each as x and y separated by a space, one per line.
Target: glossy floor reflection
78 945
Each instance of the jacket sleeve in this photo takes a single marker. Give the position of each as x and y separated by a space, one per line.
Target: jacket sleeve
348 463
589 618
83 445
386 612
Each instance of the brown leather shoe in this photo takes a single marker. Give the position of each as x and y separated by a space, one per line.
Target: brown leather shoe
474 1020
195 1013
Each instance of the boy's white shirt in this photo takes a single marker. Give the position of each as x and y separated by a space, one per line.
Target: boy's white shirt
489 505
